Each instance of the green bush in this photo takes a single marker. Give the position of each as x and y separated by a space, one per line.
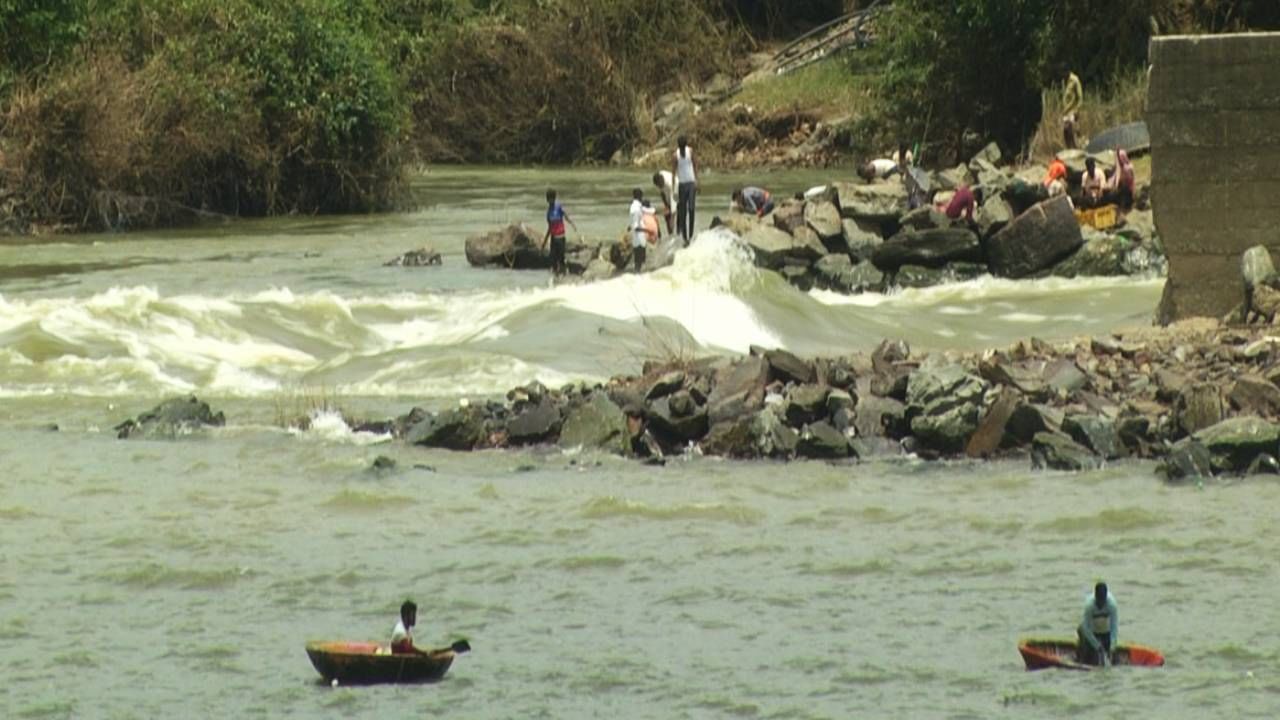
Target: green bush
34 33
556 80
961 73
235 106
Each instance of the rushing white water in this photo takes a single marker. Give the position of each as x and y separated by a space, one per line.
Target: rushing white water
139 341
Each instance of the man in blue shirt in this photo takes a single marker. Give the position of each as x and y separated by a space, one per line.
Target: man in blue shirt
556 217
1099 628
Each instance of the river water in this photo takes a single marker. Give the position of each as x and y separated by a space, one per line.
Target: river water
141 579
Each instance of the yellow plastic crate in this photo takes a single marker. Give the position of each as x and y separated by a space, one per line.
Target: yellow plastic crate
1101 218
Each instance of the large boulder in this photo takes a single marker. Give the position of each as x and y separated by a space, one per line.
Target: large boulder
944 404
461 428
535 423
877 202
927 248
835 272
860 241
1035 240
993 216
1097 434
1187 460
925 217
1255 395
761 434
1029 419
1059 452
516 246
773 247
1102 255
171 419
738 388
1259 273
876 416
821 441
1234 443
787 366
806 404
824 218
596 423
1198 406
789 215
677 418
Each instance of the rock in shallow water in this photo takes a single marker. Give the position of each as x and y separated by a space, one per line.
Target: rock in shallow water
171 419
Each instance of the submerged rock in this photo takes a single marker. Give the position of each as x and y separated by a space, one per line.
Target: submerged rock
421 257
517 247
460 428
171 419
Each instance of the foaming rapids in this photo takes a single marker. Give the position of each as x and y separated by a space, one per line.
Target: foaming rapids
130 341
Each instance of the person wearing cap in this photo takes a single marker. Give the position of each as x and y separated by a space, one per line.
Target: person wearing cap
1099 628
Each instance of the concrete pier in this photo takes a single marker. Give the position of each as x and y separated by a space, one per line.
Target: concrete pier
1213 111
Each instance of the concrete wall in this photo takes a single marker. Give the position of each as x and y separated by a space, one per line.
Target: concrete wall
1214 114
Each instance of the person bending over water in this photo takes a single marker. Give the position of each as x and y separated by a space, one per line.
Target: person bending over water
753 200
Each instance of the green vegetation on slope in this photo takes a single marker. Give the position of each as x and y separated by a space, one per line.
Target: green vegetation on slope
133 112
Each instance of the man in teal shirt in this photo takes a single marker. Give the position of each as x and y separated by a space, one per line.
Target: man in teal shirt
1100 628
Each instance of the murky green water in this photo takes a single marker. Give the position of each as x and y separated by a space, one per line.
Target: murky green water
140 579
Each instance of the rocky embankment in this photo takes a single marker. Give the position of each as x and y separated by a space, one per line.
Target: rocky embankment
853 236
1203 397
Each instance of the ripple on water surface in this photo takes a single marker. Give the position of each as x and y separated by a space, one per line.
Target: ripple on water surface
154 575
615 507
363 501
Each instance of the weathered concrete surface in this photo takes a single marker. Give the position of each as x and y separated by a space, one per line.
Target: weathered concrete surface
1213 109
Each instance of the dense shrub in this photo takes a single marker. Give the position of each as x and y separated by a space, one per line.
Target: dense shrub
240 106
569 80
34 33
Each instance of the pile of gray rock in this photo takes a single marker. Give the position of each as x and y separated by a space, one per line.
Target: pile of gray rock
1200 396
519 247
853 237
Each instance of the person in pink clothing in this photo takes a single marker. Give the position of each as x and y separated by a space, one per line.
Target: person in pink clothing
1122 185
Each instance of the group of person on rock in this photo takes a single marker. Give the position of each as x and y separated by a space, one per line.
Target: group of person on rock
678 192
1097 188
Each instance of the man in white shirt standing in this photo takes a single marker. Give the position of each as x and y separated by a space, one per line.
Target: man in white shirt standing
402 635
639 238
